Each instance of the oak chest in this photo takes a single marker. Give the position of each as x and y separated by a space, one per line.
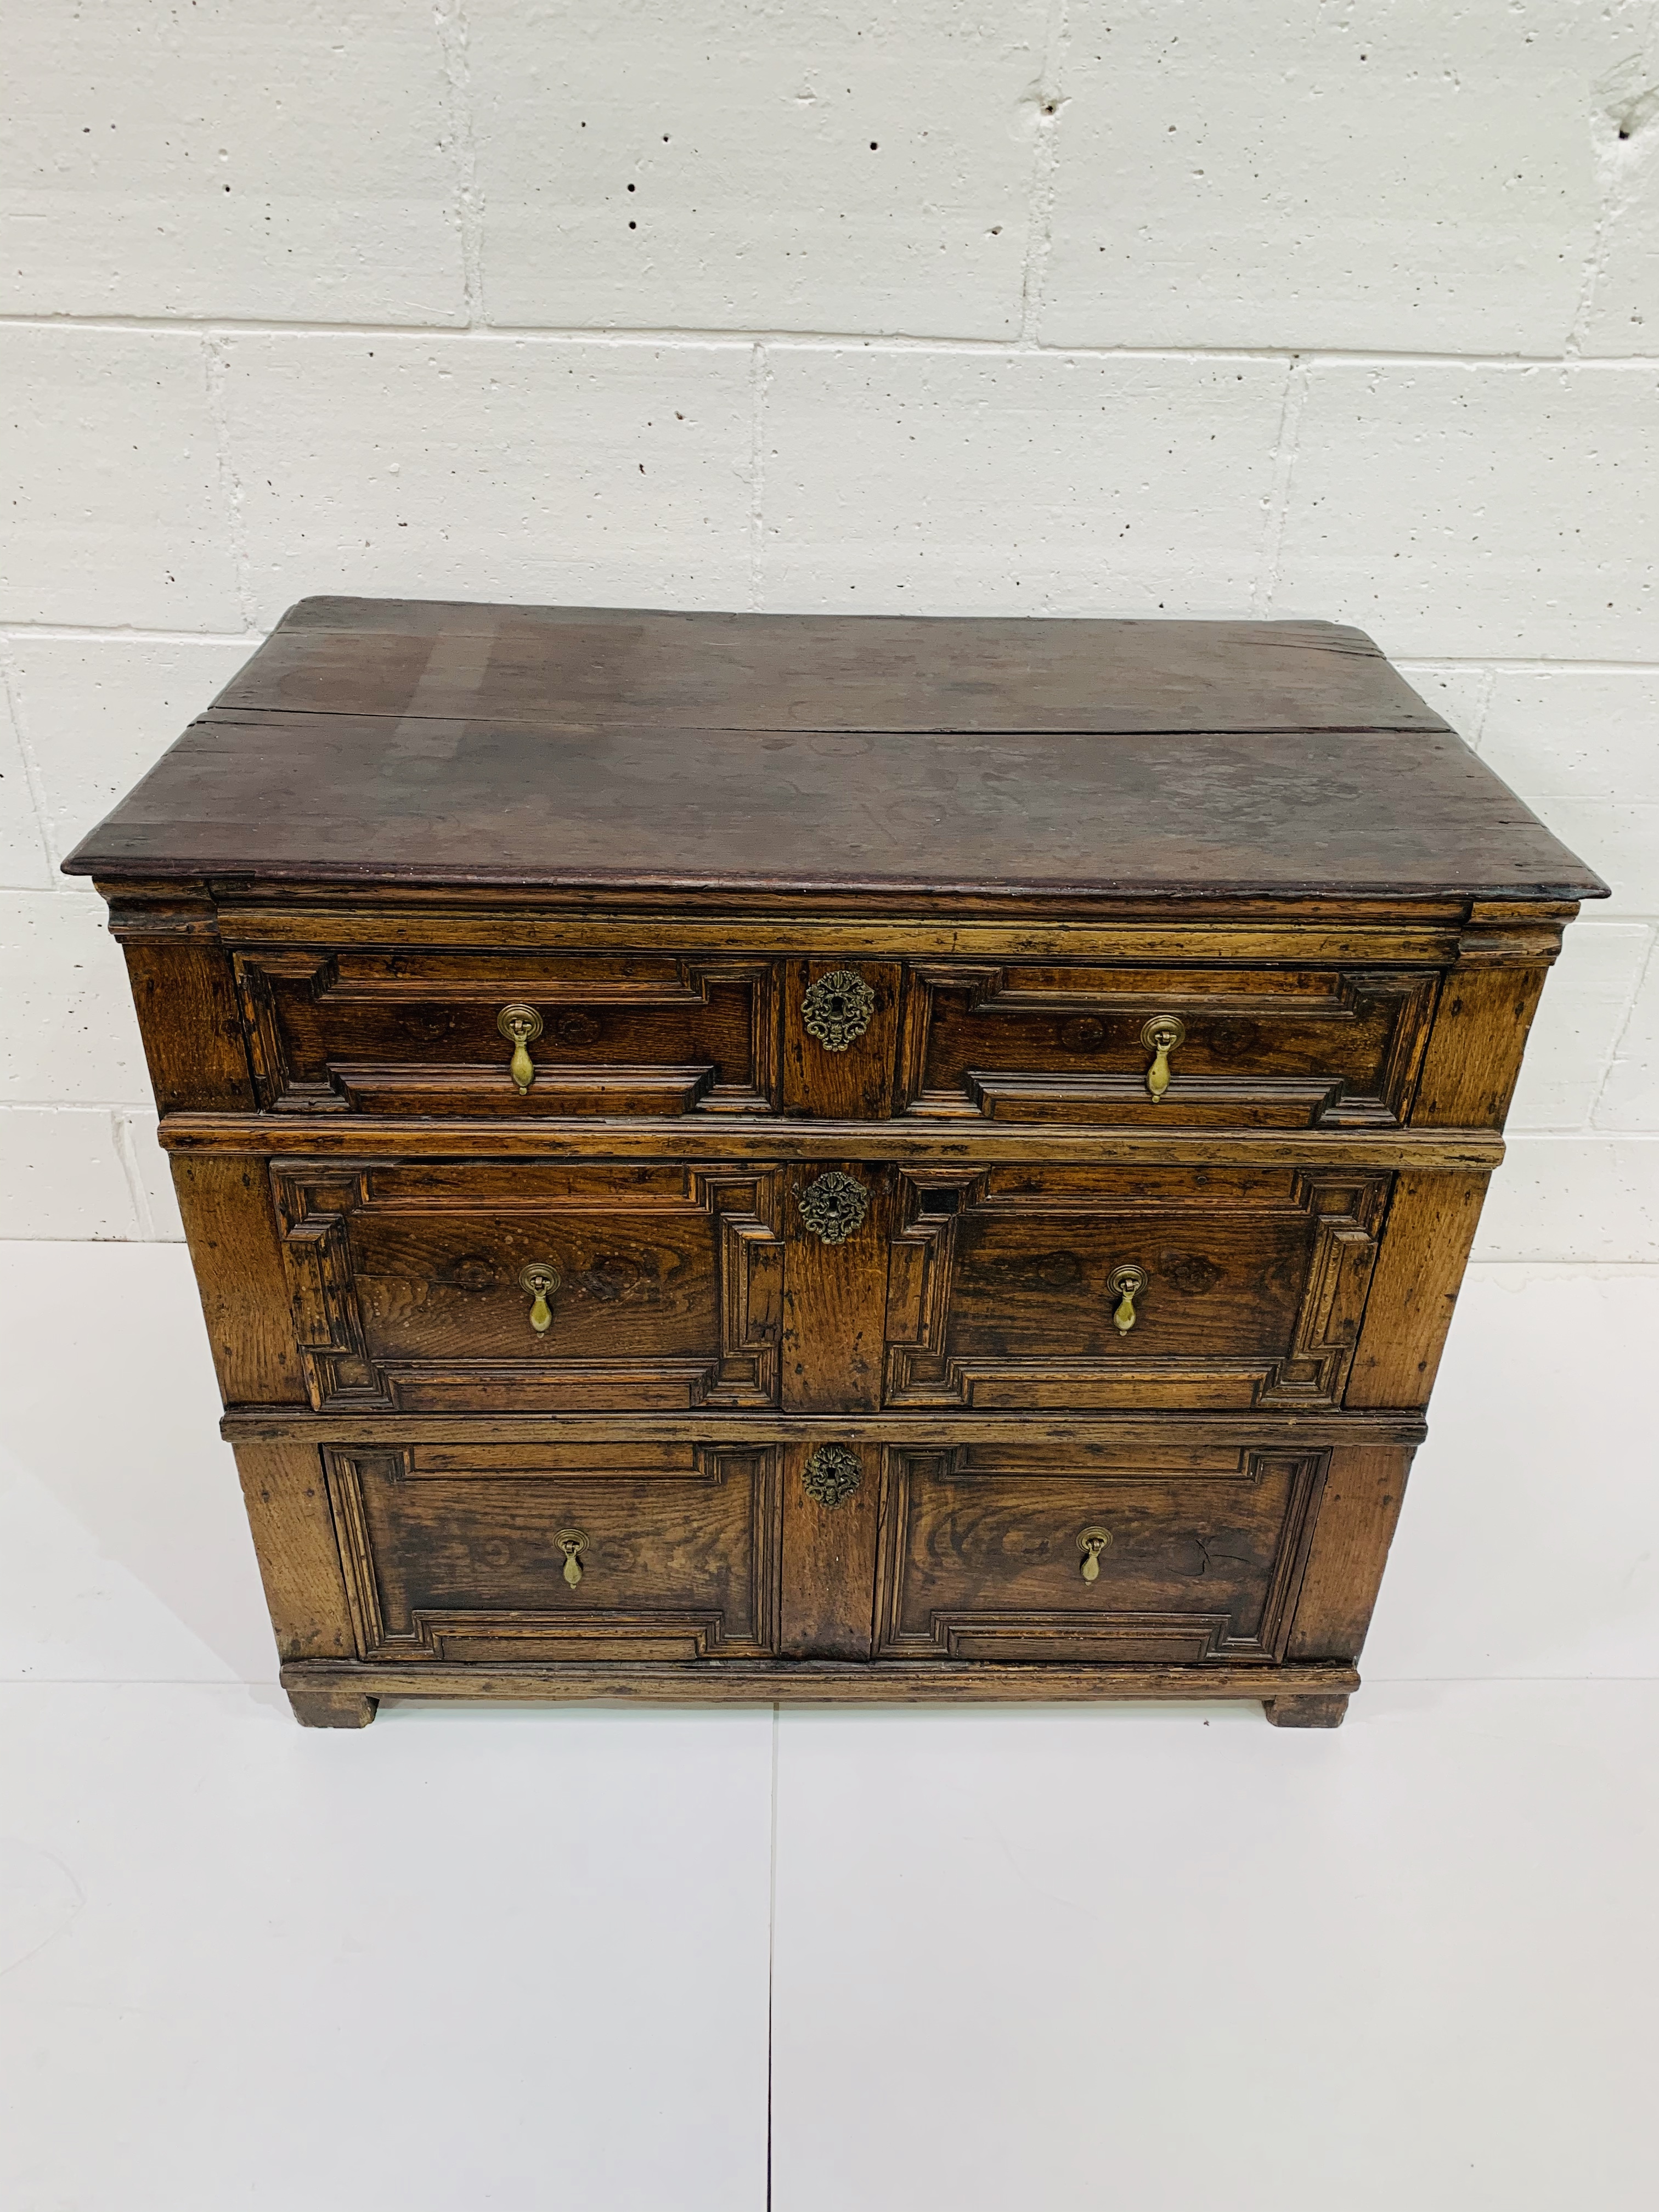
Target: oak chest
741 1157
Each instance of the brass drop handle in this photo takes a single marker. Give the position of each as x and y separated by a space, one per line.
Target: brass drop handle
1160 1036
1125 1286
1092 1543
541 1279
519 1024
572 1543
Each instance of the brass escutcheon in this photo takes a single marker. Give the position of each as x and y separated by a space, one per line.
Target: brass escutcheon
1160 1036
541 1279
572 1543
832 1473
1125 1286
834 1206
519 1024
837 1008
1092 1543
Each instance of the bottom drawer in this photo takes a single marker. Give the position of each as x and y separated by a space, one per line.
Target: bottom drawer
500 1554
1084 1554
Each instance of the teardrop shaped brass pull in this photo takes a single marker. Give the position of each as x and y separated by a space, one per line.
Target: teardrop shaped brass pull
519 1024
541 1279
1125 1286
1092 1543
572 1543
1160 1036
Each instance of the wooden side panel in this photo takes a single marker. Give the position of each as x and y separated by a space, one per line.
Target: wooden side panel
185 996
293 1535
1425 1248
1361 1504
854 1083
1475 1050
829 1561
228 1219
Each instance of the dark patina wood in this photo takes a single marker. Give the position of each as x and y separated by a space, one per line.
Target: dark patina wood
748 1322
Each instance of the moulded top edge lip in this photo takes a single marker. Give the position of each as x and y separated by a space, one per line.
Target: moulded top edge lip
86 861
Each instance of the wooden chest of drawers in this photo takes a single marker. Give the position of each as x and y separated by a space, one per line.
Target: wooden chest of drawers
748 1157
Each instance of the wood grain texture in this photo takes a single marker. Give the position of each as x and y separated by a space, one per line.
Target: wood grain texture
194 1047
834 925
1266 1427
1322 1712
470 1554
413 743
566 668
1064 1042
417 1031
235 1251
294 1534
1473 1059
829 1562
332 1709
304 798
1358 1512
407 1291
334 1136
827 1682
1076 1555
853 1083
1425 1248
834 1294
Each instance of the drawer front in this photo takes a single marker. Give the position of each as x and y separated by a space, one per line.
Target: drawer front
437 1032
1064 1289
527 1286
1078 1555
469 1553
1264 1047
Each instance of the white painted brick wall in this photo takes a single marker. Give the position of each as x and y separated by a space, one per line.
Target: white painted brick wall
1044 307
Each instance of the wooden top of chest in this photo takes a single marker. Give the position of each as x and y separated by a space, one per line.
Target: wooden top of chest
415 742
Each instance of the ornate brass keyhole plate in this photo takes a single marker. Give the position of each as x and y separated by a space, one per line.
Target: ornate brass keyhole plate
837 1008
832 1473
834 1206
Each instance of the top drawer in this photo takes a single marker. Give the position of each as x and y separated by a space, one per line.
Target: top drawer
1155 1048
448 1030
435 1032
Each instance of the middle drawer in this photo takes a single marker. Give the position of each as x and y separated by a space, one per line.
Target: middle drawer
657 1287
